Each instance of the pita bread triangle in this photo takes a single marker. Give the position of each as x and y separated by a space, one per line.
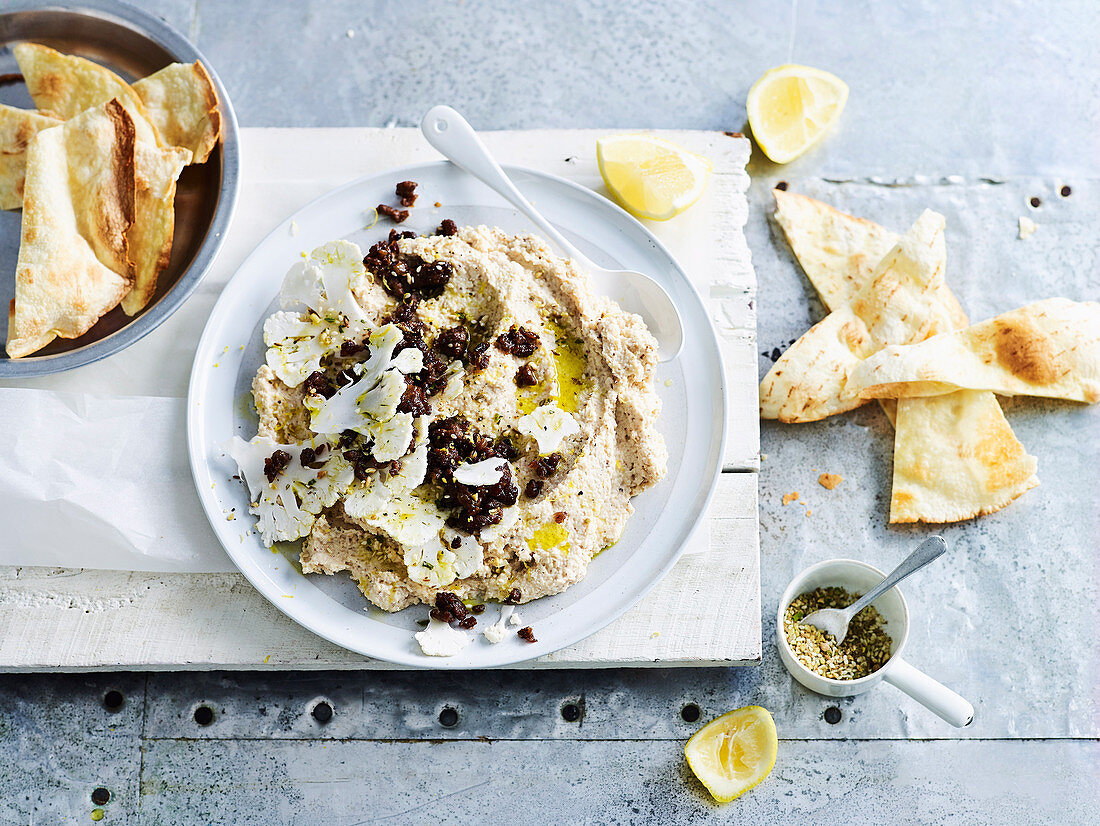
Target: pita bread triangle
183 106
17 129
955 457
150 236
900 304
838 252
78 206
827 243
1050 348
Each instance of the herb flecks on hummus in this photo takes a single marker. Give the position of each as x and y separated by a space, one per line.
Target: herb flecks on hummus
417 391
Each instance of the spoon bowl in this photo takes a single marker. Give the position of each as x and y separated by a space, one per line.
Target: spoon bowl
835 620
450 134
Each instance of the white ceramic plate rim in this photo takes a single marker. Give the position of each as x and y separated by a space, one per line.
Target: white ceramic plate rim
342 633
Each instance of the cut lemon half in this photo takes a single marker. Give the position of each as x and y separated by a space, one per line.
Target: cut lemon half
651 177
732 754
791 107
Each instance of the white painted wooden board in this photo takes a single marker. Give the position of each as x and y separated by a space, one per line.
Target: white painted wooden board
706 611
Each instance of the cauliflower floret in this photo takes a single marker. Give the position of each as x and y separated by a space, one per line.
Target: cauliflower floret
297 343
369 404
441 640
325 282
549 426
287 507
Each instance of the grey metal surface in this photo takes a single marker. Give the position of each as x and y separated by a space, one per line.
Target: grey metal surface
967 110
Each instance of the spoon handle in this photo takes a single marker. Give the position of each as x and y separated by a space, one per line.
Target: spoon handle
451 134
931 548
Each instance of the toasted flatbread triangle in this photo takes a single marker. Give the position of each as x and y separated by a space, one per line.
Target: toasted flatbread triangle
955 457
150 236
66 85
838 252
1049 348
17 129
77 208
805 384
183 105
901 303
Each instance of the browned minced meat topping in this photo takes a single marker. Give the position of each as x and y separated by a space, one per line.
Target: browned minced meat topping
514 597
526 376
526 634
479 356
362 463
350 349
519 341
398 215
448 608
453 342
311 457
469 622
479 608
546 466
406 275
448 227
533 488
453 442
318 385
559 517
406 191
275 464
432 377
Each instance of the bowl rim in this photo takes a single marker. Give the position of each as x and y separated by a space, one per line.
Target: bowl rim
182 50
789 593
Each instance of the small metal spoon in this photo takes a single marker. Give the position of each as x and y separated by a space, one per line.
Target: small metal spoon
835 620
449 132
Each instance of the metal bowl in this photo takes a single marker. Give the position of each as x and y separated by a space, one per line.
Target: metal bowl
133 44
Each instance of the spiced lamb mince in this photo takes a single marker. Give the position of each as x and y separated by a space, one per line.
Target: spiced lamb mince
509 313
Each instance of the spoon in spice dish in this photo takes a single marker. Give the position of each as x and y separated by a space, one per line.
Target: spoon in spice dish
835 620
450 134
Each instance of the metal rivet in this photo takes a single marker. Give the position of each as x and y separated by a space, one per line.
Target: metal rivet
571 712
448 717
690 713
322 712
781 186
1065 191
204 715
832 715
100 796
1035 202
113 700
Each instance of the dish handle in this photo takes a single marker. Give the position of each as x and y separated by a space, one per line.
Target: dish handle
932 694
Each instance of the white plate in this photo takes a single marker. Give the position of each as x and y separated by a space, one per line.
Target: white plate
691 388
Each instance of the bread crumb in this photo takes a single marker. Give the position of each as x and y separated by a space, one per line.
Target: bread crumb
790 497
808 512
1027 227
829 480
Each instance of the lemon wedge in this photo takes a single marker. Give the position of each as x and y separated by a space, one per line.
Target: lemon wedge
790 107
651 177
732 754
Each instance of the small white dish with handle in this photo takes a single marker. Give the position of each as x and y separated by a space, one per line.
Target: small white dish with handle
855 576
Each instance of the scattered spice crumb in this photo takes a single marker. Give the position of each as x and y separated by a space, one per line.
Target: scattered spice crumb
790 497
438 204
808 511
293 227
351 33
829 480
654 635
1027 227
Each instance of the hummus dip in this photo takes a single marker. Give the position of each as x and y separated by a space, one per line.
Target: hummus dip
506 416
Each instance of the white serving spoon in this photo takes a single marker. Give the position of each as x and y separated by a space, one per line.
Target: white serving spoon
835 620
450 134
